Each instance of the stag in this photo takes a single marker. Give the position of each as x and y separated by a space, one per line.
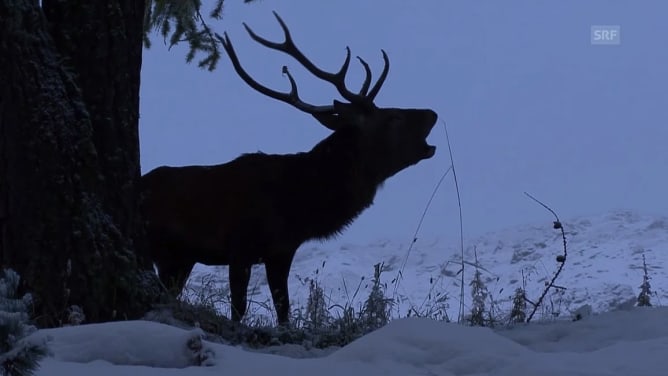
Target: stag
259 208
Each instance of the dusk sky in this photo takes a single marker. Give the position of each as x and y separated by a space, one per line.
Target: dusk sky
531 104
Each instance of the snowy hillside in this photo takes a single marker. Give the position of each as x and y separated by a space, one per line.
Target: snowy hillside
603 268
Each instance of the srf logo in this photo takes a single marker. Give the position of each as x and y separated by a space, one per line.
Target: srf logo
606 34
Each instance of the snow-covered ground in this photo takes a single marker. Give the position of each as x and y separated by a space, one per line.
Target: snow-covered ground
629 342
603 270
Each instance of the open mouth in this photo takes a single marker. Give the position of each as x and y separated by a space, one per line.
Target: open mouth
427 126
429 151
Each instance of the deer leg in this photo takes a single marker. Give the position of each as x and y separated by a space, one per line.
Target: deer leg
278 270
239 278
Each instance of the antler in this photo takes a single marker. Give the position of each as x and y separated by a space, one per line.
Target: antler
292 97
364 97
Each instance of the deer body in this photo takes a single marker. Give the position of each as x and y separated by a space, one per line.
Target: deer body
259 208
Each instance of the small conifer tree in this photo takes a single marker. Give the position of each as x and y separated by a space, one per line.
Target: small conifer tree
645 287
518 312
17 356
479 296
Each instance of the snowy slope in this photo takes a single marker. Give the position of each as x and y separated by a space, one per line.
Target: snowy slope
631 342
603 269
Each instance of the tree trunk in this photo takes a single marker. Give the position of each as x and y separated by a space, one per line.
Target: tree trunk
69 157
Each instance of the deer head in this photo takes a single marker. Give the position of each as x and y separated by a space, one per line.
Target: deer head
390 139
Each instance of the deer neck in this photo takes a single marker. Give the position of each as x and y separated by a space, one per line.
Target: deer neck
342 156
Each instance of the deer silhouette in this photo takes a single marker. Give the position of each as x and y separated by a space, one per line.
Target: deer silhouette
259 208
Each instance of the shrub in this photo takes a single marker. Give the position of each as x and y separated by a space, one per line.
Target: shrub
18 357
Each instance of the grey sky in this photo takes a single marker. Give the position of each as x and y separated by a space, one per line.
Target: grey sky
531 105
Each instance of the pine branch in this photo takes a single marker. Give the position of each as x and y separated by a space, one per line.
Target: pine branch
181 21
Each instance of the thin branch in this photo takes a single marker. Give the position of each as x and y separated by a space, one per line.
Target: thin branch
543 205
461 223
561 259
417 230
399 276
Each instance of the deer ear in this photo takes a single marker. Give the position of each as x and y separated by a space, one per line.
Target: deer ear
349 113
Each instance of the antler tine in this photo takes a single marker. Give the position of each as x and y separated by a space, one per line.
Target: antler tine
386 68
289 47
367 79
291 98
293 85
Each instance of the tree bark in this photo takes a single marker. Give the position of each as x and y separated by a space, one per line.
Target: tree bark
102 42
69 157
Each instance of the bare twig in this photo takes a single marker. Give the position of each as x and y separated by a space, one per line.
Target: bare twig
461 224
399 276
400 273
561 259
